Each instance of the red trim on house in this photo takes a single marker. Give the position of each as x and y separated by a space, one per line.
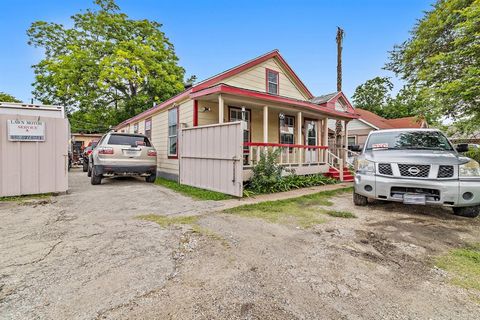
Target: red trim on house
223 88
215 79
274 54
266 81
195 113
158 107
331 103
175 156
283 145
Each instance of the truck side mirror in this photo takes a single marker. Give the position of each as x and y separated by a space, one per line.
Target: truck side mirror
463 147
355 148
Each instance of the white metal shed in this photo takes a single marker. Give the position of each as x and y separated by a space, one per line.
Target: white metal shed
33 149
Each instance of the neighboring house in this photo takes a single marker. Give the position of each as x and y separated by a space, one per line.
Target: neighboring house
359 129
195 132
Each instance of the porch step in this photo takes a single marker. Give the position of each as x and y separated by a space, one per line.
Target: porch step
347 174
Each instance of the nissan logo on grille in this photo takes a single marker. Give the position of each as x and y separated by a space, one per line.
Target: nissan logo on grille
413 171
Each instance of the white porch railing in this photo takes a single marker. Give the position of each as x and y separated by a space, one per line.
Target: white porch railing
350 157
290 154
336 163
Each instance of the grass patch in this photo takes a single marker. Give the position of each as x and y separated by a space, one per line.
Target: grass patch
166 221
464 266
303 211
340 214
196 193
26 197
192 221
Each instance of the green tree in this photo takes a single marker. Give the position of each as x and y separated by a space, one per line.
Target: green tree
442 58
373 95
106 66
5 97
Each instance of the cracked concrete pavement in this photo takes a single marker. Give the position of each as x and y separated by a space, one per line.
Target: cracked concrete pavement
75 256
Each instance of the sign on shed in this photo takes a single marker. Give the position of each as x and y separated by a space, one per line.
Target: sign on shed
26 130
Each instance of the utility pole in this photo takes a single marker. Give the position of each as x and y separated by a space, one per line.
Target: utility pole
338 123
340 34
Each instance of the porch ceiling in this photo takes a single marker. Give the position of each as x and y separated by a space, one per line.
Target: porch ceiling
254 98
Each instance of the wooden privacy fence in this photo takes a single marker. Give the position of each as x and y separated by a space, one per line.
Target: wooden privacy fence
211 157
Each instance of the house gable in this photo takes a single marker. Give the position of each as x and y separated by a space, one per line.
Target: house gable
255 79
251 75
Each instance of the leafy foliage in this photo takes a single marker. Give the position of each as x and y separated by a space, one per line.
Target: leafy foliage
474 154
375 95
442 58
268 177
5 97
107 67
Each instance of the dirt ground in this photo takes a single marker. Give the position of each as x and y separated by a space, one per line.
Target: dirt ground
85 256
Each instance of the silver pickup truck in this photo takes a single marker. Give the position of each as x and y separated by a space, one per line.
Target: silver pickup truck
417 166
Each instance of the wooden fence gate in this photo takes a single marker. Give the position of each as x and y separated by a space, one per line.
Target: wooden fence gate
211 157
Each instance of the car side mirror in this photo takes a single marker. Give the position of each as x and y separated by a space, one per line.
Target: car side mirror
355 148
463 147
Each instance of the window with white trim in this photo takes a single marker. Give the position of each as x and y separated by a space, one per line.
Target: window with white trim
135 128
148 128
272 81
287 129
172 131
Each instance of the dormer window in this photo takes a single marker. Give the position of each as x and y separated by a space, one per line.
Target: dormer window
272 81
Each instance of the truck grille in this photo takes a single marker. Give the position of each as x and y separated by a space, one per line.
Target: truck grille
445 172
412 170
385 169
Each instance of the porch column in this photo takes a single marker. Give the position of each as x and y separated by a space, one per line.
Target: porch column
220 108
345 141
325 138
299 136
265 124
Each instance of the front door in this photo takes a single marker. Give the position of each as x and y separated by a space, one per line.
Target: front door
311 136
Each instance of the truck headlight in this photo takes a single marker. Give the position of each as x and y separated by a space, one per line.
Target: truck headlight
469 169
365 166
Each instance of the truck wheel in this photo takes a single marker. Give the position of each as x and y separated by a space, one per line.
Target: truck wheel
151 178
470 212
85 166
359 200
95 178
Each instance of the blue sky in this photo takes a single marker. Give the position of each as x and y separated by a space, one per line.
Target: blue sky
211 36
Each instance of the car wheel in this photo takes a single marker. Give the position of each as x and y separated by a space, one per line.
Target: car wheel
95 178
85 166
151 178
89 171
470 212
359 200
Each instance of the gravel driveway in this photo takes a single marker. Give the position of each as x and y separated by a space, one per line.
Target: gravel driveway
85 256
81 254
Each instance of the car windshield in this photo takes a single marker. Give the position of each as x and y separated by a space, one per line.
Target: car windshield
129 140
420 140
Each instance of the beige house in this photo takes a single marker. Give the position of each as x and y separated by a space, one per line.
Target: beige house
275 109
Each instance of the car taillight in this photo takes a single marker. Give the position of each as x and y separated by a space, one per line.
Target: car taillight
89 151
105 150
152 153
